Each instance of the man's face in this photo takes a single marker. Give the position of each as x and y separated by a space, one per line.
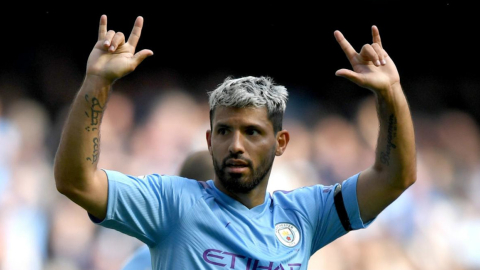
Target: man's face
243 146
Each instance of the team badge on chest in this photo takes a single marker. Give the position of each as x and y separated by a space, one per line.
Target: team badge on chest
287 234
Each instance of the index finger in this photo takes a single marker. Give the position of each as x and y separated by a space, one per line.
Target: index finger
102 28
376 36
136 31
345 45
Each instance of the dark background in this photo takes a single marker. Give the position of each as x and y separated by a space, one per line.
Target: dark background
434 46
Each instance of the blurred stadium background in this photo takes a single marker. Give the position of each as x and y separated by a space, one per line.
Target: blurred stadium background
157 115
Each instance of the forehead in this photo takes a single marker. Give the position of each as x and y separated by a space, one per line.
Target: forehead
241 116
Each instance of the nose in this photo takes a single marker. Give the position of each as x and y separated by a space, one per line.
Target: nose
236 145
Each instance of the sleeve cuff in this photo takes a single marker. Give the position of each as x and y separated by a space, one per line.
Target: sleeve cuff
110 200
349 190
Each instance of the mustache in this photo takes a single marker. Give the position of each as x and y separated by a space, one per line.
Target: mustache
237 157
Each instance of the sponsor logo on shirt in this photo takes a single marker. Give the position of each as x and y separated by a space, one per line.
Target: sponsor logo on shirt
228 260
287 234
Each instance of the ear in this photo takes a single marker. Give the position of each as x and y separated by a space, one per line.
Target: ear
283 137
209 140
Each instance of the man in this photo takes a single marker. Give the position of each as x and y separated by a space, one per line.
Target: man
231 222
198 165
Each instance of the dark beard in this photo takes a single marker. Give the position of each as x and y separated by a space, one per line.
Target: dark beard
233 181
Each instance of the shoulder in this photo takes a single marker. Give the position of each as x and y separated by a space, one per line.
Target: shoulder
156 183
299 193
317 191
163 179
304 197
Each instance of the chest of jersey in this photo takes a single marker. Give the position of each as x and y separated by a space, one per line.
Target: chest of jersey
214 235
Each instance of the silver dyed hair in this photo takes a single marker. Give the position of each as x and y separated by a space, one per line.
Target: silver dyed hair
250 91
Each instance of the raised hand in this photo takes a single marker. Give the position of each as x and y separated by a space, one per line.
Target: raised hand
112 57
372 67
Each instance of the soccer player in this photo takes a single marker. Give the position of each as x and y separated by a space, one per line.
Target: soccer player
198 166
231 222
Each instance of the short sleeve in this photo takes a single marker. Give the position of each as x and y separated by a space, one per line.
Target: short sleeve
349 190
145 206
329 226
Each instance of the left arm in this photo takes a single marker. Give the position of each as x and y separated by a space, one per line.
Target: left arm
394 169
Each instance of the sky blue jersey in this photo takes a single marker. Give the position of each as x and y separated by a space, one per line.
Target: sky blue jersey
139 260
190 224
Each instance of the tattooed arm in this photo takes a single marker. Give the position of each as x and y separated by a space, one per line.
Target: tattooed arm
75 168
394 169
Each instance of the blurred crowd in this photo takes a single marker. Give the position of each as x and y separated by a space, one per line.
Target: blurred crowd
434 225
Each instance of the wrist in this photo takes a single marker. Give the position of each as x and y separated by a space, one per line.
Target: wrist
393 96
389 92
96 85
98 80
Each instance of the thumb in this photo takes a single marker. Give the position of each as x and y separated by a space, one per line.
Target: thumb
141 55
350 75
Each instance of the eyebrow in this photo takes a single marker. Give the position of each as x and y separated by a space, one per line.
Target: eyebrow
254 127
249 126
221 125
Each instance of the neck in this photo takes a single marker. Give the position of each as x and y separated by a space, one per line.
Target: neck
251 199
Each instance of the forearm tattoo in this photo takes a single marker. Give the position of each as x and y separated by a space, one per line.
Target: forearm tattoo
391 134
96 151
96 109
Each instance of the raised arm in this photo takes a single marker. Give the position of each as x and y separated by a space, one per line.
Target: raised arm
394 169
75 167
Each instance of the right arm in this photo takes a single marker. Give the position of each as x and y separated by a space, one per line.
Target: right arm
76 173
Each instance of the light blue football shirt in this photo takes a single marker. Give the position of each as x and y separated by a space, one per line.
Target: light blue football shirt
139 260
189 224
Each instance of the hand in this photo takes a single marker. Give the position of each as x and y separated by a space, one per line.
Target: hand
112 57
372 67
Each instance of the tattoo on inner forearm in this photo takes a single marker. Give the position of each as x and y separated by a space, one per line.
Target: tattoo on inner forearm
391 134
96 151
95 111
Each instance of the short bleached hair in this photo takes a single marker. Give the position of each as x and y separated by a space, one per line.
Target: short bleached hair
251 92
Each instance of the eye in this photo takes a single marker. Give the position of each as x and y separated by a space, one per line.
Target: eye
222 131
252 131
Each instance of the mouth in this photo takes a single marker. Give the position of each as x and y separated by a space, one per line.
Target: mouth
236 166
236 169
236 162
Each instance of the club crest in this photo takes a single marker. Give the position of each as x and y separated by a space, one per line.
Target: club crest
287 234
